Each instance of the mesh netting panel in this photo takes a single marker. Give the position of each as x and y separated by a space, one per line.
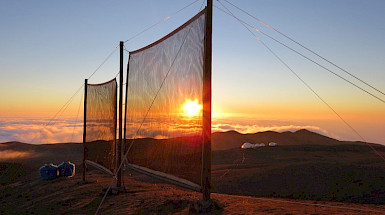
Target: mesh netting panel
165 82
101 123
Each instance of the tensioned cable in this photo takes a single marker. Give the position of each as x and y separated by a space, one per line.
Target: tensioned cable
108 57
230 169
105 60
141 124
160 21
65 106
307 85
308 49
311 60
133 139
68 150
61 111
303 203
156 95
77 115
97 69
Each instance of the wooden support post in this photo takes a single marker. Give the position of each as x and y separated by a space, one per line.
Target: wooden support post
84 129
125 108
119 145
206 153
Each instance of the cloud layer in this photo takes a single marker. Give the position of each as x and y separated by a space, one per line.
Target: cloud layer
39 131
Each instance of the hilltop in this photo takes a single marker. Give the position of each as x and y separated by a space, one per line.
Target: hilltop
304 170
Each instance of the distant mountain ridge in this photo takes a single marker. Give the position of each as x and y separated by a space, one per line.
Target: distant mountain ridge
233 139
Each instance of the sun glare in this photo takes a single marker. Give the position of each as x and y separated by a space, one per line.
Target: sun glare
192 108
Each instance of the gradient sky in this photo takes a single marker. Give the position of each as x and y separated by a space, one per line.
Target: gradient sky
48 48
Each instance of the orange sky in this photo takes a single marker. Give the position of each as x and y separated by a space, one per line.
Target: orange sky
46 55
249 118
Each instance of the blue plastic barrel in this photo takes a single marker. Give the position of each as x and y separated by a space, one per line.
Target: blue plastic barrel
48 172
66 169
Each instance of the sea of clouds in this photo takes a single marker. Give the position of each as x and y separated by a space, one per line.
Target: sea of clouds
41 130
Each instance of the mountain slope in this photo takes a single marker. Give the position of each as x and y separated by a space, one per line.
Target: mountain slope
233 139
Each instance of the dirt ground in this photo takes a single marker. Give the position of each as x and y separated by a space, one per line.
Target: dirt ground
23 192
147 196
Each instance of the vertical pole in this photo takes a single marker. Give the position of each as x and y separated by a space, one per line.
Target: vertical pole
125 108
206 153
116 126
119 145
84 129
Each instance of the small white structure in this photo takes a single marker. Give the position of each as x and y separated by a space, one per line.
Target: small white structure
247 145
273 144
259 145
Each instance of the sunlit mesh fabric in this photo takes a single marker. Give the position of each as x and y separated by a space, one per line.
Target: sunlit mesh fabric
164 103
101 123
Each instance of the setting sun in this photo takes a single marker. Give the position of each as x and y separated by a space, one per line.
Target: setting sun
192 108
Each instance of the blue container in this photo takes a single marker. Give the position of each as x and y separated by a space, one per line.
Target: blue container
66 169
48 172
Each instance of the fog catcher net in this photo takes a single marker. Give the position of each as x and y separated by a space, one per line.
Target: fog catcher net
164 104
101 124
